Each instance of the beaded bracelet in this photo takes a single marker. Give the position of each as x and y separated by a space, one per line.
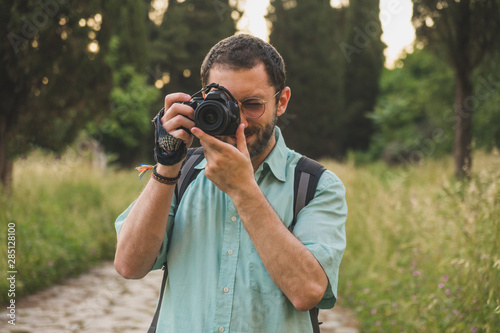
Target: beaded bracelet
165 180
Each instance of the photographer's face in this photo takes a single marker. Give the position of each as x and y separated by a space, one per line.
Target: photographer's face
254 82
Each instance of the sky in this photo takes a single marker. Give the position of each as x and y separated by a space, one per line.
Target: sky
395 16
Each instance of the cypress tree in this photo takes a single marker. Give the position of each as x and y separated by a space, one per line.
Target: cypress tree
363 63
306 33
178 46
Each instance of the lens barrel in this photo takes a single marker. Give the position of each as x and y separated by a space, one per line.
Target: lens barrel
212 117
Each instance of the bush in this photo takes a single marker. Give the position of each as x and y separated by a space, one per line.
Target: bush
63 212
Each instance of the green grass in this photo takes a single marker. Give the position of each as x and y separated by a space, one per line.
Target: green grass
63 211
423 250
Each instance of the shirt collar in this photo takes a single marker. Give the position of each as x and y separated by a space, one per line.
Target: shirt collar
275 161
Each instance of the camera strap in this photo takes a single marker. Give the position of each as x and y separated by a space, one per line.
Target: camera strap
211 86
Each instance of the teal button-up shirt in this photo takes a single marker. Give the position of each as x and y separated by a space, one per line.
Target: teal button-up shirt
216 281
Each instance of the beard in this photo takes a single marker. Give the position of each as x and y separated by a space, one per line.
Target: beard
263 134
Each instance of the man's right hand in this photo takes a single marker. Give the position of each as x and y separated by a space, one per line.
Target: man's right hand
142 232
178 116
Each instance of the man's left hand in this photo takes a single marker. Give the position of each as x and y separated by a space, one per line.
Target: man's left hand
228 167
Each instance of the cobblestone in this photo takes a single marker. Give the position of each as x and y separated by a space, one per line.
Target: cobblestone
102 301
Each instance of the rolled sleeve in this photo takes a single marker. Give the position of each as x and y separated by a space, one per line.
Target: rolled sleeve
161 259
321 228
162 254
122 217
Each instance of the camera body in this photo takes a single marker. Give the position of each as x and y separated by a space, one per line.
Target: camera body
216 114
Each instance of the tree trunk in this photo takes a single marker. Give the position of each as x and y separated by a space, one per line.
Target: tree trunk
5 164
463 124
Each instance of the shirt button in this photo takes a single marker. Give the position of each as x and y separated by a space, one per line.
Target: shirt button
230 252
233 218
221 329
226 290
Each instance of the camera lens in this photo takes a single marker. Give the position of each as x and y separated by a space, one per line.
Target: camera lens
210 116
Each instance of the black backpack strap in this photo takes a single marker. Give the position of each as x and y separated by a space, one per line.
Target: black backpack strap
313 313
188 174
154 322
307 174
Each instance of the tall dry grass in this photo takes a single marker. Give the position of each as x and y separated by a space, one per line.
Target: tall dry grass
63 211
423 250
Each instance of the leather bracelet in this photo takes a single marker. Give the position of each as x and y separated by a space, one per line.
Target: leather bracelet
165 180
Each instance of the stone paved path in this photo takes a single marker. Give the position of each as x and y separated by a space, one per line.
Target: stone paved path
101 301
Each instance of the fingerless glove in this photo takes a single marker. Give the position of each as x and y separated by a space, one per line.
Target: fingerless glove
168 150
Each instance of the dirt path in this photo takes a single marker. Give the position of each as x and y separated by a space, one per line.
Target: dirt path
101 301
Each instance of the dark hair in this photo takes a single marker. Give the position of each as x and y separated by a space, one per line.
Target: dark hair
243 51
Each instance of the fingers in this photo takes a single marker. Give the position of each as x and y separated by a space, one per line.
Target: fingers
207 140
227 162
178 126
241 142
217 145
170 99
178 116
173 107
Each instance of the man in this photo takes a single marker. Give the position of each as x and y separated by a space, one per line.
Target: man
233 265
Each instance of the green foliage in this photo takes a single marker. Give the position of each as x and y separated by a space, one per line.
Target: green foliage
124 131
413 115
486 98
422 250
307 34
332 73
52 83
464 32
179 45
129 19
363 50
63 214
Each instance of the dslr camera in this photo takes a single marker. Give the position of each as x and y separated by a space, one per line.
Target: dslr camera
218 113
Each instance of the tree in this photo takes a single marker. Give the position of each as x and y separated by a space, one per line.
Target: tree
130 27
54 77
307 34
412 112
124 130
464 32
178 46
364 62
334 57
486 124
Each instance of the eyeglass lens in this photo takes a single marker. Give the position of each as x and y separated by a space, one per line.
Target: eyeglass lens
253 108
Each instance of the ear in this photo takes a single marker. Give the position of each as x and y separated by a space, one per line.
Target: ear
283 102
